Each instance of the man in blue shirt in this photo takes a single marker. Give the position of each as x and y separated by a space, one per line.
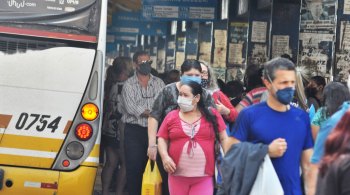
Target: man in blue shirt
279 125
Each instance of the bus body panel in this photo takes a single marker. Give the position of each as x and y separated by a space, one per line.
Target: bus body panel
80 181
43 92
29 181
93 158
37 181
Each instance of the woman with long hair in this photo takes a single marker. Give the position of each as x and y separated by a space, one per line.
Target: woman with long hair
334 174
112 128
223 104
334 94
186 142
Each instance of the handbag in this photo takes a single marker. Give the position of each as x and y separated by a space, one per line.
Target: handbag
151 180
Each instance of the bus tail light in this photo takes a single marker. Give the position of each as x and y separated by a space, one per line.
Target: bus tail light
75 150
83 131
89 112
66 163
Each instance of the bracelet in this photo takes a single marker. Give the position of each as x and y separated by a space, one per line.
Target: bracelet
154 146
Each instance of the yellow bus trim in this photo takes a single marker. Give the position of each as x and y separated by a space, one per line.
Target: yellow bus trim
25 161
31 143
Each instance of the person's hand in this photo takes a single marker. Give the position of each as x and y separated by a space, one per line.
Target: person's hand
152 152
277 148
145 113
222 109
169 165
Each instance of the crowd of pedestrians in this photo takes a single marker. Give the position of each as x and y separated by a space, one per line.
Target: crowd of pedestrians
188 125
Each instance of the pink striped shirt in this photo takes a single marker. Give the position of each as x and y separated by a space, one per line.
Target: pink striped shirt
171 129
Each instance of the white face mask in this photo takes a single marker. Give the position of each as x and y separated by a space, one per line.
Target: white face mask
185 104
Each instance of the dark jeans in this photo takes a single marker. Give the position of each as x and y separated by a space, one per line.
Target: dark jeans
164 174
136 143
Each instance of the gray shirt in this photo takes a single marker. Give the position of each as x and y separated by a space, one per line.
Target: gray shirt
167 101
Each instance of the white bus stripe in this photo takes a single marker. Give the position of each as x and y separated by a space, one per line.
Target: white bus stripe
24 152
92 159
32 184
37 153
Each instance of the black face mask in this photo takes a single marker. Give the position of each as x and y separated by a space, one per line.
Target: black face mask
310 91
205 83
144 68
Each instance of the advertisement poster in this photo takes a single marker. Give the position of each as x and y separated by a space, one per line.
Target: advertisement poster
280 45
346 7
317 33
180 58
234 73
238 38
235 54
220 50
259 54
342 68
259 30
205 51
344 35
342 62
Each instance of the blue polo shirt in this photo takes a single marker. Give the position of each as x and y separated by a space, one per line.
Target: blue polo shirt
261 124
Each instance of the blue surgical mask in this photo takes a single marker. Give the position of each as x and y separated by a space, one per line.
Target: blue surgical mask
186 79
285 96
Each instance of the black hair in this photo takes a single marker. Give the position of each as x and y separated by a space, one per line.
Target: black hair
287 56
172 76
221 84
196 89
319 80
189 64
278 63
121 64
154 72
138 54
334 94
234 88
253 77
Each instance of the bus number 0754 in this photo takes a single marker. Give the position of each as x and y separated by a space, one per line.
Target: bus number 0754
26 121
